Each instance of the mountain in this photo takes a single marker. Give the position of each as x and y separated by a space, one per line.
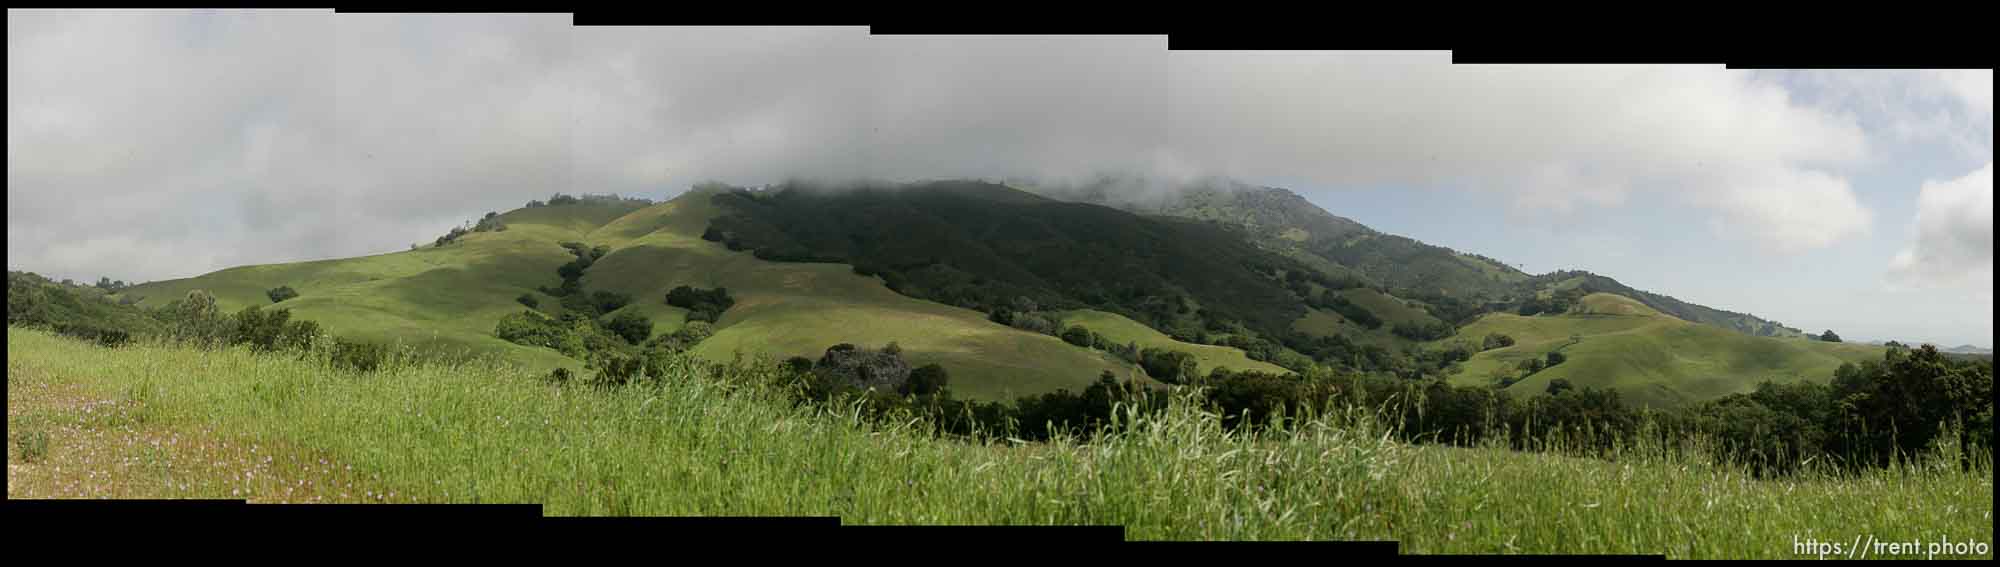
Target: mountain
1458 284
986 246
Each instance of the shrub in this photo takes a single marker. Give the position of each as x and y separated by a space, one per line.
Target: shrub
1078 336
1496 340
606 301
929 379
359 356
529 300
281 293
530 328
1170 366
632 327
702 304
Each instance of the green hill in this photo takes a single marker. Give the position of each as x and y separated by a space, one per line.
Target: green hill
452 296
1651 358
1122 330
799 309
440 297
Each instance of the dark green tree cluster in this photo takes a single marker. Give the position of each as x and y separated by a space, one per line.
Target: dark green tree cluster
490 223
1170 366
110 285
632 327
1495 340
702 304
1422 332
572 272
982 246
1828 336
281 293
450 237
1557 303
1332 300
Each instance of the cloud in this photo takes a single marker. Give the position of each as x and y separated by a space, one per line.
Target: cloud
1953 247
254 137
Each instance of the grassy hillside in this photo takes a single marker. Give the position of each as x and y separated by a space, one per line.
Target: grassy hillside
233 425
1122 330
447 297
799 309
1650 357
451 297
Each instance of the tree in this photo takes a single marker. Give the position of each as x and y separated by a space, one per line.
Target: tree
529 300
631 326
1170 366
1559 385
1496 340
929 379
1555 358
281 293
1077 335
1828 336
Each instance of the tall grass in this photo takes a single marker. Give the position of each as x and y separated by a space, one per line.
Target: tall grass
727 440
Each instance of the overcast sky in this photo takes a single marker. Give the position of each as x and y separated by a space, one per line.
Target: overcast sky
157 145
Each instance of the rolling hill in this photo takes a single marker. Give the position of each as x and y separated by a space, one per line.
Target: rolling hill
1651 358
922 265
450 297
1460 283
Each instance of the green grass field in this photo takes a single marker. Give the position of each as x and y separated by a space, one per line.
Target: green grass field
451 298
160 422
1122 330
1652 358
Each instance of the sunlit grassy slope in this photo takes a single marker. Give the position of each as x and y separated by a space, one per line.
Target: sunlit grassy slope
448 297
454 295
1390 309
1650 357
1122 330
799 309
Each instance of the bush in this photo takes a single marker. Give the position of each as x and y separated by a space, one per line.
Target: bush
529 300
1170 366
863 369
530 328
1496 340
1078 336
359 356
607 302
702 304
632 327
105 337
281 293
926 380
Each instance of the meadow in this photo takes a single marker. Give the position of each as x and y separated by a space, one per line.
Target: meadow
161 421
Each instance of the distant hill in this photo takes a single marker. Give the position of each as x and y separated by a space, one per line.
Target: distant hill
1457 284
1651 358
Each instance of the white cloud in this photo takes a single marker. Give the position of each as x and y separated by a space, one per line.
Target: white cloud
1953 247
262 137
